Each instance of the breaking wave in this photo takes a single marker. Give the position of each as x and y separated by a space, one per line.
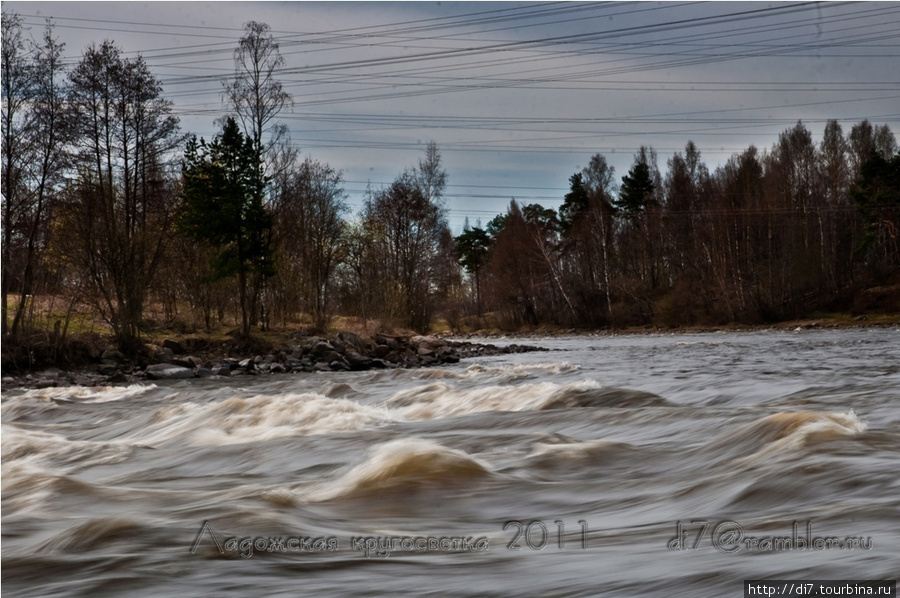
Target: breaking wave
440 400
786 433
405 465
263 417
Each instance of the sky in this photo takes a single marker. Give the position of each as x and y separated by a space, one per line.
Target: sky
517 95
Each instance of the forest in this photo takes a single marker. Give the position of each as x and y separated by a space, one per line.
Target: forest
117 222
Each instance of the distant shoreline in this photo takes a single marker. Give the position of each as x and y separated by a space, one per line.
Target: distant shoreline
827 323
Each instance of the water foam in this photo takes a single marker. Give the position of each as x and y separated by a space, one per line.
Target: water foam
263 417
440 400
504 372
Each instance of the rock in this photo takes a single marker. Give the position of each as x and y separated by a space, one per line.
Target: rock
861 318
330 356
165 371
204 372
357 361
339 366
187 362
163 355
174 346
224 370
381 351
107 369
246 364
117 378
321 348
113 355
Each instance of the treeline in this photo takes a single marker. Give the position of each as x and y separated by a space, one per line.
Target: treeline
768 236
108 205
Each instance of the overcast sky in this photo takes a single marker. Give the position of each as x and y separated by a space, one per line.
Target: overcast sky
517 95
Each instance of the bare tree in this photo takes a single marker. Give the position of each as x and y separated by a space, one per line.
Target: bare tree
310 230
119 212
256 95
36 131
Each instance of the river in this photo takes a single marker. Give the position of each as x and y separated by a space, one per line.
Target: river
634 465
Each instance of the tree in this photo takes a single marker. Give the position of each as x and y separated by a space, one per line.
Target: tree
877 196
311 227
255 95
407 226
222 205
49 132
574 203
636 190
117 218
473 247
430 175
16 88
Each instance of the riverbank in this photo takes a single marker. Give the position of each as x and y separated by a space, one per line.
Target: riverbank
186 357
829 321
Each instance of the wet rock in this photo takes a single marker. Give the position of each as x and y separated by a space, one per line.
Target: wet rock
204 372
165 371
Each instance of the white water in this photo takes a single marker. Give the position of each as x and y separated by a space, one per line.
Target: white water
106 490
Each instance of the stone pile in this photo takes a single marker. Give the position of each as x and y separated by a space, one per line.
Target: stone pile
341 352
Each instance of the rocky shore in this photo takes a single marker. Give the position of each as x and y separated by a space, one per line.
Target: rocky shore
344 351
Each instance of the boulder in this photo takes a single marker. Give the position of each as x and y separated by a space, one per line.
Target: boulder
187 362
165 371
113 356
357 361
321 348
163 355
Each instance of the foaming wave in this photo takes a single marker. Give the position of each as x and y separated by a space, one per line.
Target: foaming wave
439 400
263 417
505 372
36 466
405 465
36 401
23 444
788 432
86 394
